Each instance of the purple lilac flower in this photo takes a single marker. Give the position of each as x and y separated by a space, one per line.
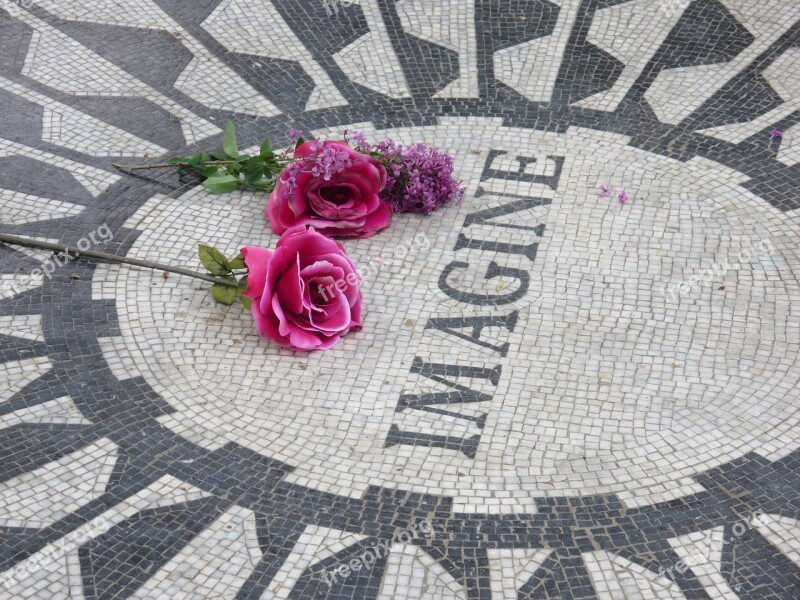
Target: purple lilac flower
295 133
622 197
329 162
291 181
357 139
776 133
605 191
419 178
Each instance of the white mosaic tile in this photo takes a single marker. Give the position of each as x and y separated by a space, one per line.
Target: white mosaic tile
103 287
60 410
206 78
12 284
660 493
531 68
411 573
783 532
167 491
370 60
19 208
209 81
631 32
641 421
782 76
789 152
118 358
451 25
130 13
61 580
70 128
256 27
36 253
678 92
15 375
511 568
615 577
215 564
51 492
315 544
92 75
702 553
54 571
96 181
28 327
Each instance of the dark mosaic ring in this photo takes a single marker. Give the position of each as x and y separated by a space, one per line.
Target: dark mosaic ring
555 394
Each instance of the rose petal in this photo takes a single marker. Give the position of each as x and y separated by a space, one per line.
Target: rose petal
304 340
353 207
355 312
267 325
291 288
344 266
373 223
287 309
257 262
308 242
308 204
335 319
315 296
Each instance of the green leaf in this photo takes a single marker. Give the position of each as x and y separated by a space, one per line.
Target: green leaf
224 294
300 140
229 141
241 288
195 158
221 184
266 150
177 159
209 171
236 263
253 169
267 186
213 260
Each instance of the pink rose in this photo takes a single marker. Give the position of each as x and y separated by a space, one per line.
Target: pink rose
332 187
305 294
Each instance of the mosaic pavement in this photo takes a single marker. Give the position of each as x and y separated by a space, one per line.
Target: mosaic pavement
555 395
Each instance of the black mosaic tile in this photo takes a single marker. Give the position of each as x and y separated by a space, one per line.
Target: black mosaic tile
524 386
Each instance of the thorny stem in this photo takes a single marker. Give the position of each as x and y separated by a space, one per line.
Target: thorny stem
31 243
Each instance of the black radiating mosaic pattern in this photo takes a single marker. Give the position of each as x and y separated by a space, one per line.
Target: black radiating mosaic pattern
110 490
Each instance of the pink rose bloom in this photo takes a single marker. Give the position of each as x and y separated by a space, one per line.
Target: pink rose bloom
305 294
332 187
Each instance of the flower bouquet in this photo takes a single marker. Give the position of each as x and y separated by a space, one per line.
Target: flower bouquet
305 294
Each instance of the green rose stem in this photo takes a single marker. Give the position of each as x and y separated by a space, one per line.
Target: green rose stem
31 243
208 163
223 171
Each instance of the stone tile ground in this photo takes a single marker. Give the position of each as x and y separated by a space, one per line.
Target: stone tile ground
555 394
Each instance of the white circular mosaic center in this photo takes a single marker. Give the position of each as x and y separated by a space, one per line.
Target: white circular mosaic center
534 340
